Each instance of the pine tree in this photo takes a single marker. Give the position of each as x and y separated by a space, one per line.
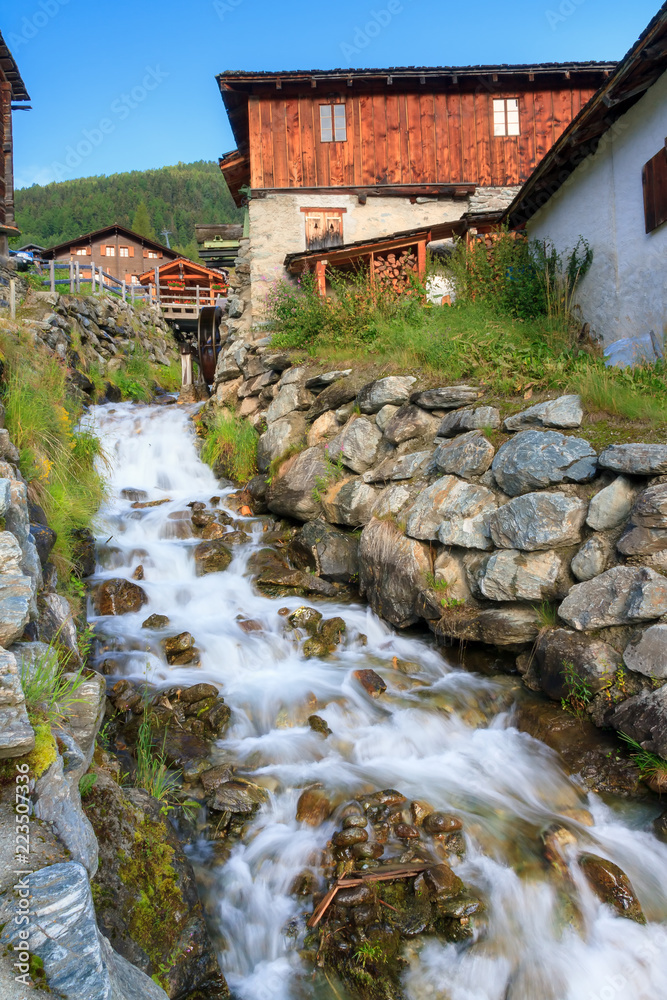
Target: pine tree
141 223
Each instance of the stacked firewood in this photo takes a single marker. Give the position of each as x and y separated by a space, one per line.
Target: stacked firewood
396 271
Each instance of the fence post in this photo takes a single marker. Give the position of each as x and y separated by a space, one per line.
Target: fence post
77 276
71 278
12 298
52 273
198 300
157 284
124 291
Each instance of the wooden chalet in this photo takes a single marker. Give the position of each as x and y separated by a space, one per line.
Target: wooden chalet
117 250
12 93
332 158
183 288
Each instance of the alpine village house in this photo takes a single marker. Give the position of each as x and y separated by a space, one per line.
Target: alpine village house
334 162
12 93
117 250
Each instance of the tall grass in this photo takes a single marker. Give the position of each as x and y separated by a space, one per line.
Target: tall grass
48 694
138 377
230 447
152 773
57 461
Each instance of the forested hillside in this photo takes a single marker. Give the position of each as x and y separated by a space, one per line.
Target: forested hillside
176 198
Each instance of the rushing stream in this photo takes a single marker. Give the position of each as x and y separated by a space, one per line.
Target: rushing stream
439 734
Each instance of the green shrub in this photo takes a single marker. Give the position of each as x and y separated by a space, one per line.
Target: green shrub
230 447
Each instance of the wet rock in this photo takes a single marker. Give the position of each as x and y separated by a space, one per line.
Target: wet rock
469 419
448 499
177 644
406 831
313 807
593 558
538 521
138 573
510 575
564 659
77 961
83 552
612 886
349 502
407 422
644 718
612 505
449 397
290 397
393 390
534 460
238 796
565 412
212 557
150 503
357 445
304 583
327 551
467 455
307 619
318 725
349 837
293 490
202 518
213 530
119 597
635 459
437 822
283 435
17 736
134 495
367 852
393 571
155 622
249 625
236 537
332 631
660 828
356 895
647 654
44 539
212 777
623 595
371 682
442 882
506 625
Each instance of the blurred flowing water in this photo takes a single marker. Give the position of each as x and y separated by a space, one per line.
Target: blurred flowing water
438 734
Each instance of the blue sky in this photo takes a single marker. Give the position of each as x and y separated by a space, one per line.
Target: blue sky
128 86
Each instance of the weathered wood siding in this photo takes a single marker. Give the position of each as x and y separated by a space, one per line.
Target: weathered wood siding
404 138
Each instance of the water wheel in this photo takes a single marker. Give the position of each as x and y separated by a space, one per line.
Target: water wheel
209 341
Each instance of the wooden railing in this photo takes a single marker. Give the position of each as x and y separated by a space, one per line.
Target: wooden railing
78 274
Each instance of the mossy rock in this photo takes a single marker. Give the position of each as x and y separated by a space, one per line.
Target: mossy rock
145 894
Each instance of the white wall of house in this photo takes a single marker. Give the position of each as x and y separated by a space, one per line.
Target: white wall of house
277 224
625 292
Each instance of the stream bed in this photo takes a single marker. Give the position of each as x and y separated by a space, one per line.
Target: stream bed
438 734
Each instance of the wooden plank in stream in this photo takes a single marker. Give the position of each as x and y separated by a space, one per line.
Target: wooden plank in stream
386 874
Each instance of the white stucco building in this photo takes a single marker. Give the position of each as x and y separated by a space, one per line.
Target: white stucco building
606 179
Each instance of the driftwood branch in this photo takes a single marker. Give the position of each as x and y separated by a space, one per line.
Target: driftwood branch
386 874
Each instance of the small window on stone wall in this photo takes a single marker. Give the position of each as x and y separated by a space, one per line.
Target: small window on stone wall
654 180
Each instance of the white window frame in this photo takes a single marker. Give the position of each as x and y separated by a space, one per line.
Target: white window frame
506 120
80 252
152 255
123 251
333 123
110 251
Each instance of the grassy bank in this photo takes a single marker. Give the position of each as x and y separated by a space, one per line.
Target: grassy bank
230 446
517 342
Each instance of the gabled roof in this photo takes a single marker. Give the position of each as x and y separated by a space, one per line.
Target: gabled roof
237 85
11 72
189 266
115 230
640 68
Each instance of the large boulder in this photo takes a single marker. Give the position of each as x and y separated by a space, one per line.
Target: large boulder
647 653
405 467
449 397
612 505
394 498
511 625
393 570
565 412
16 595
593 558
538 521
281 436
291 397
78 962
533 460
635 459
447 499
357 445
323 428
563 659
468 455
644 719
327 551
293 491
469 419
509 575
119 597
212 557
342 391
394 390
624 595
647 531
349 502
409 422
17 736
